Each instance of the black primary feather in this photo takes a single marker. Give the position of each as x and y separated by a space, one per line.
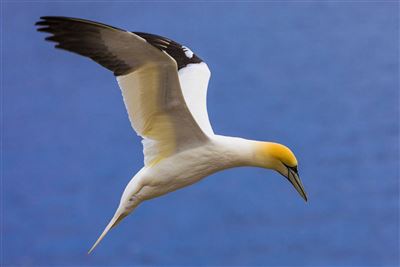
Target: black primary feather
172 48
84 38
102 43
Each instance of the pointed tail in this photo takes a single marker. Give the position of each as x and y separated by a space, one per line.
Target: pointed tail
114 221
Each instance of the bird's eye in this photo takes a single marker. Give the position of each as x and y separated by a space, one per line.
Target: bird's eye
294 169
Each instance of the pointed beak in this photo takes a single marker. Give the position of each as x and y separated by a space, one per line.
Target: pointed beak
294 179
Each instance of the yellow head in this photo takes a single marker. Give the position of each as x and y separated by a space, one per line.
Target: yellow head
281 159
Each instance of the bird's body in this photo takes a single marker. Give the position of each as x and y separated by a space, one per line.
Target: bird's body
164 87
189 166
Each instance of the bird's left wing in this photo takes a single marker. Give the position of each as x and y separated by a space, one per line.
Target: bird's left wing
147 76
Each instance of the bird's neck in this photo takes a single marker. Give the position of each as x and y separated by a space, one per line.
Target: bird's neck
244 152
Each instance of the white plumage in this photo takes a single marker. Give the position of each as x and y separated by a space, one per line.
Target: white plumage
164 88
194 83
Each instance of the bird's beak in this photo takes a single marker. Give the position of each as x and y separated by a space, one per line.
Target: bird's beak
294 179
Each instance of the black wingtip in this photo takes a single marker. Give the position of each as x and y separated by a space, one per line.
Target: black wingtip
54 17
49 24
46 20
43 20
42 24
41 27
47 17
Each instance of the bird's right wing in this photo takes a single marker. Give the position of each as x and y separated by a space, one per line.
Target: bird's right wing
147 76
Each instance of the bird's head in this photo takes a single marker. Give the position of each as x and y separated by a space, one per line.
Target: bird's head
281 159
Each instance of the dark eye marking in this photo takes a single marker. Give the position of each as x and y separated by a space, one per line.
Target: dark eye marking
294 169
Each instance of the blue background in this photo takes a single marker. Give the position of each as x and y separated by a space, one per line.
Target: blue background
319 77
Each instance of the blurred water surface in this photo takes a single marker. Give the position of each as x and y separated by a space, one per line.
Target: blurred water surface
321 78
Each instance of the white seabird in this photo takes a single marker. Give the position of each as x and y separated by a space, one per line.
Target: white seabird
164 87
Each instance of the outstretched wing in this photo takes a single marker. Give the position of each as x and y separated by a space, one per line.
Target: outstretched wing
193 76
147 77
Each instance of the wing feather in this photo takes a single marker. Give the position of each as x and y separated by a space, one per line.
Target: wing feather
194 83
148 79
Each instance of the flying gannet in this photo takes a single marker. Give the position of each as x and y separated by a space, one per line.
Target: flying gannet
164 87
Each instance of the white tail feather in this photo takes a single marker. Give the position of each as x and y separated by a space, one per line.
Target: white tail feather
114 221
